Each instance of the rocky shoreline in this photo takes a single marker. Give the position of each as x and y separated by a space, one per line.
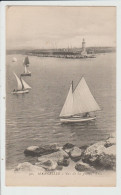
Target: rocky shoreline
98 157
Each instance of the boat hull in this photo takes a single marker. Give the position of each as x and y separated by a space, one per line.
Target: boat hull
20 92
26 74
76 120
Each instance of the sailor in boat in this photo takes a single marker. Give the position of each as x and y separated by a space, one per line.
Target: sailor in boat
86 115
15 90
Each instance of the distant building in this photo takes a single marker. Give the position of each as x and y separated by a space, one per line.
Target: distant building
83 52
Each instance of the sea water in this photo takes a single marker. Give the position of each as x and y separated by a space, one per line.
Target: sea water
33 118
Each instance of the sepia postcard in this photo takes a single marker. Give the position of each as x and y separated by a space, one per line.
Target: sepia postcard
60 96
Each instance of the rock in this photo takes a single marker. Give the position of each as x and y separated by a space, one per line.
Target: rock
100 156
64 162
59 168
42 150
68 150
33 148
75 153
48 165
111 141
93 151
59 157
68 146
107 159
80 166
28 167
84 147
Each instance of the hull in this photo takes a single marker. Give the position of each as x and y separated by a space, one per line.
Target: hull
20 92
76 120
26 74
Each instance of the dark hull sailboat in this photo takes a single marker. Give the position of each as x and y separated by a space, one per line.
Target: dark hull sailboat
80 104
26 65
26 74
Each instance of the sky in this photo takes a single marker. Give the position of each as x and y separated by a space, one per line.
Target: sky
37 27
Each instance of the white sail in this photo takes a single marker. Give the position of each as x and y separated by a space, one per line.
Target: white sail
19 87
25 69
26 86
83 99
79 101
67 109
14 59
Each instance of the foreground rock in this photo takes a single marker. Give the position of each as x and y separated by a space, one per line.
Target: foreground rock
42 150
100 156
111 141
75 153
64 162
28 167
68 147
82 167
107 159
59 157
48 165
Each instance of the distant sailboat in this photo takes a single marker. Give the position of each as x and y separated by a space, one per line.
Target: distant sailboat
22 86
80 104
14 59
26 65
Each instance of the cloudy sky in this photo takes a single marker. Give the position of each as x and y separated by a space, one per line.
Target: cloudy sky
56 27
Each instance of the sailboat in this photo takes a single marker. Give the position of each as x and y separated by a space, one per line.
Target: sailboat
14 59
26 65
79 105
22 86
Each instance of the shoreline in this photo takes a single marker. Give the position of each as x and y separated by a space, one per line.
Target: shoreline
59 166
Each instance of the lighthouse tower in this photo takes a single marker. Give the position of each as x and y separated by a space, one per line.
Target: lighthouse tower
83 53
83 45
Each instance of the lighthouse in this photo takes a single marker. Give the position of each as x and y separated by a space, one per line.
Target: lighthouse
83 52
83 45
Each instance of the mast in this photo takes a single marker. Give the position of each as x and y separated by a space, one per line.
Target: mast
72 86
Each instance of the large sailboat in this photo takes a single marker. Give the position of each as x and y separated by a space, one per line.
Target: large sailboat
79 105
26 65
22 86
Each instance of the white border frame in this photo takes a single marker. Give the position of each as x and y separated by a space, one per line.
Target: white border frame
60 190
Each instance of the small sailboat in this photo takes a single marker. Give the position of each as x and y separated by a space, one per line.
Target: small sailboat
22 86
26 65
14 59
79 105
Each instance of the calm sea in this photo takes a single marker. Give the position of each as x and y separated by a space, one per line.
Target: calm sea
33 118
